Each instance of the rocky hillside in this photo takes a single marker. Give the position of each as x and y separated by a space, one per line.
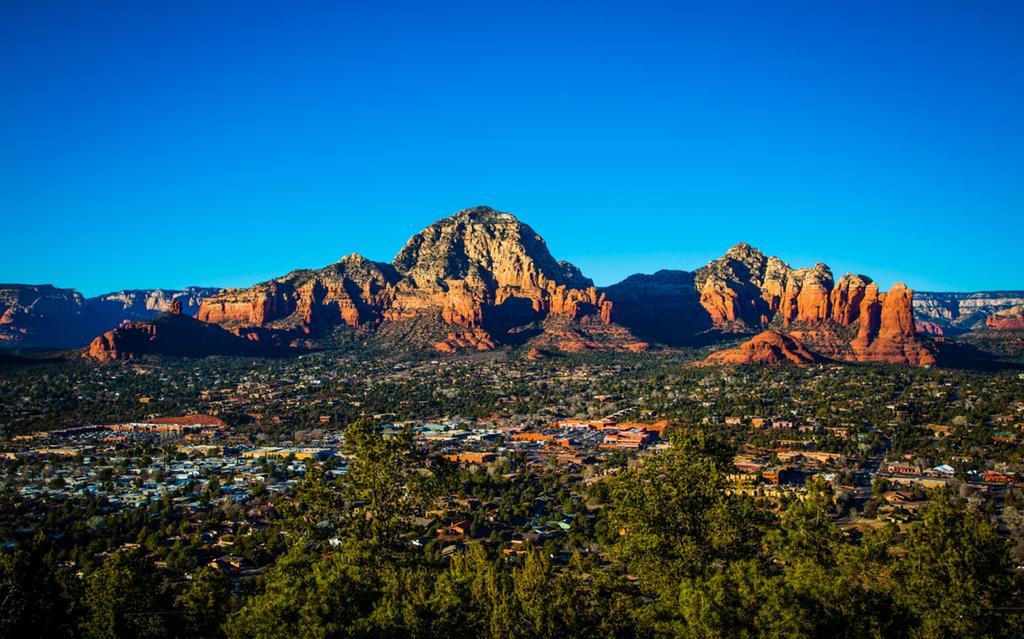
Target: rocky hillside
481 279
953 313
664 307
489 278
353 291
770 347
146 303
746 291
45 316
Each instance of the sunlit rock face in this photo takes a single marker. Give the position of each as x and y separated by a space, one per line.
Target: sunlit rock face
483 273
770 348
1011 319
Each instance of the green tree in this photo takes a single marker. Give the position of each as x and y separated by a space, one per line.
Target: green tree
675 515
307 596
384 483
123 598
956 576
32 600
207 602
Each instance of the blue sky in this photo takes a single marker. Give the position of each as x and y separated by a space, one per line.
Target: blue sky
147 143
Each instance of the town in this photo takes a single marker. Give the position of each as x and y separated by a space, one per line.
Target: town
217 436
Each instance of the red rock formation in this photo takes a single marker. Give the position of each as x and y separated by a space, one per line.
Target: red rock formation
806 295
721 304
846 298
773 285
1009 320
123 342
769 347
466 340
929 328
250 307
744 289
535 355
486 269
731 291
813 304
353 291
481 279
887 332
483 272
170 334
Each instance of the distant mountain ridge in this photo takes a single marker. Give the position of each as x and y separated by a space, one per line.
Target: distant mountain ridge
44 316
958 312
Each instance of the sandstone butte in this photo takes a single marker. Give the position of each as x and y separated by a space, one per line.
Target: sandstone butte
769 347
1011 319
170 334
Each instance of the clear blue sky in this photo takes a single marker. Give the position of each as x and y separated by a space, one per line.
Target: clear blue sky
155 143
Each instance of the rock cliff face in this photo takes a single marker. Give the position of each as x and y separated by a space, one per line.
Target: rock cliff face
353 291
40 316
741 289
147 303
1011 319
959 312
887 332
484 272
486 269
806 296
846 298
768 347
745 290
664 307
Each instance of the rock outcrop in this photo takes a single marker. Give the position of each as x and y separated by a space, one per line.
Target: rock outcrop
846 298
887 332
353 291
769 347
145 304
41 316
173 334
806 295
741 289
481 279
1011 319
487 270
